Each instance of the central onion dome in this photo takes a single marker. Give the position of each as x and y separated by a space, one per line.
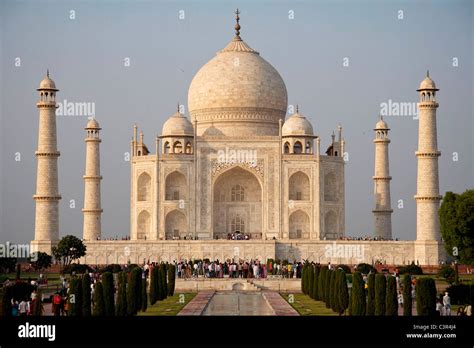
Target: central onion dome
237 93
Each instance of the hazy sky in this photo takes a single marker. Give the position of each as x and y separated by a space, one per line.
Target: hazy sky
306 41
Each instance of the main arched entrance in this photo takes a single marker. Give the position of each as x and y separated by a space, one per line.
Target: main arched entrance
237 204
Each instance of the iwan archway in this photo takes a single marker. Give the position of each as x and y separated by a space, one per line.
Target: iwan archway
237 204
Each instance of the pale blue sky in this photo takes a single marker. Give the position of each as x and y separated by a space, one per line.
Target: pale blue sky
388 58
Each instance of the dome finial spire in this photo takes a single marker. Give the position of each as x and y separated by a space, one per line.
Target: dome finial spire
297 108
237 25
178 106
47 72
427 73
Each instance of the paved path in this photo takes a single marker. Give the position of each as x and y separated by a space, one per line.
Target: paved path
278 304
197 305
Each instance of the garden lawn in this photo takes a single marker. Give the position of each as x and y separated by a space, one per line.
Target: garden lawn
168 307
305 305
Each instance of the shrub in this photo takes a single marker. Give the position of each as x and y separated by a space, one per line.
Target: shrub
425 297
411 269
391 304
380 294
18 272
365 268
76 267
99 306
407 299
113 268
357 295
86 295
345 268
448 273
371 294
134 291
109 293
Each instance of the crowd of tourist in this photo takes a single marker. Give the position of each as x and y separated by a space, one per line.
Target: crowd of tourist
236 269
238 236
368 238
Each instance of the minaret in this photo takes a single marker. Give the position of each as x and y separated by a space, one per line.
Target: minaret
92 207
427 194
383 210
47 195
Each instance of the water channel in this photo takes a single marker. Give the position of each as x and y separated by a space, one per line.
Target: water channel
238 303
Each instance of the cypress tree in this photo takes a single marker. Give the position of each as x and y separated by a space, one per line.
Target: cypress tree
357 295
425 297
72 298
86 295
138 290
99 305
121 307
316 282
164 285
371 294
407 299
153 294
109 291
332 294
79 297
380 294
144 296
327 291
391 297
321 280
132 294
159 284
343 292
310 280
171 279
303 278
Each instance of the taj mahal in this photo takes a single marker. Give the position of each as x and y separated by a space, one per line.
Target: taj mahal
242 164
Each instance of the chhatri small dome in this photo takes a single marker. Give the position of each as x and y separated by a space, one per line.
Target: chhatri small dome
238 92
177 125
47 83
381 125
427 83
297 124
93 124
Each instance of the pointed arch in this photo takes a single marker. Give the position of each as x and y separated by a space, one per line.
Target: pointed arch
299 225
143 224
175 184
144 187
297 147
175 224
299 187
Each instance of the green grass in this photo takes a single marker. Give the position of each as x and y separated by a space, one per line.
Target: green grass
305 305
171 306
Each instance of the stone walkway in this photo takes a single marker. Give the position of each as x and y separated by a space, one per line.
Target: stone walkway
197 305
278 304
